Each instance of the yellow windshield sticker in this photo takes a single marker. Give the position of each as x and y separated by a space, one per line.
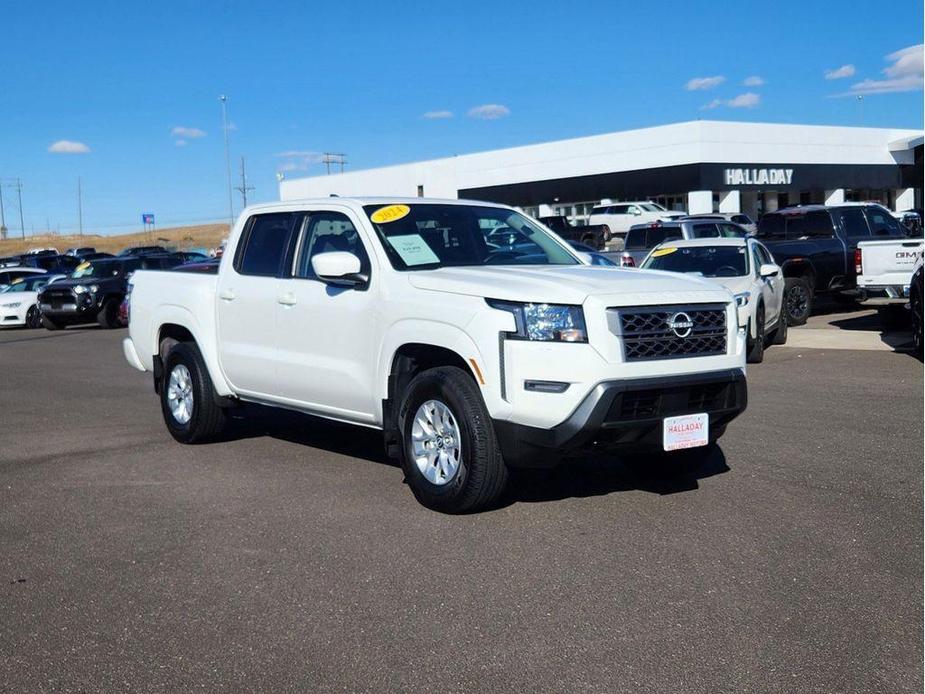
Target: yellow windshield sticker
663 251
390 213
82 266
17 280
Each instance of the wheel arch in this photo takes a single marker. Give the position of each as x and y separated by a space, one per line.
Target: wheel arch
173 324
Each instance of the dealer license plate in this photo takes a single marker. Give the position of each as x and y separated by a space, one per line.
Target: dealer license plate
686 431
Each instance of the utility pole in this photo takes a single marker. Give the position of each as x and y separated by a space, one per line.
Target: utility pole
80 211
224 100
22 224
2 216
244 188
333 158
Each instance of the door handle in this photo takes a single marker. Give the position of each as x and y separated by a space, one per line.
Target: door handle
227 295
287 299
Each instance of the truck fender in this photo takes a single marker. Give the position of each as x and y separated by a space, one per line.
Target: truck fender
416 331
204 338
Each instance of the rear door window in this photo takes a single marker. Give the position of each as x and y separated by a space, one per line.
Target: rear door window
265 244
816 224
704 231
731 231
636 240
657 235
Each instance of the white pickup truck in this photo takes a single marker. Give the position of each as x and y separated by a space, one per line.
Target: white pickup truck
884 270
402 315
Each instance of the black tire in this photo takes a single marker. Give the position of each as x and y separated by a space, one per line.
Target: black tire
207 420
798 300
33 317
893 317
51 324
108 317
780 334
755 352
589 241
915 303
481 474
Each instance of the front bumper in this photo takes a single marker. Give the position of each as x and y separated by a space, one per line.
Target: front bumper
626 415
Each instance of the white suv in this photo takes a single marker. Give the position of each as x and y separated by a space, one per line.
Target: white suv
471 356
619 217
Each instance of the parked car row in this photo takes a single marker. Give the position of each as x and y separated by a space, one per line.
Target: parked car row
44 289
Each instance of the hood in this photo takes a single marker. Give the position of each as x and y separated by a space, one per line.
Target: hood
736 285
70 284
566 284
671 215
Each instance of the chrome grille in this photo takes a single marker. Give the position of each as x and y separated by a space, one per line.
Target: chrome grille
670 332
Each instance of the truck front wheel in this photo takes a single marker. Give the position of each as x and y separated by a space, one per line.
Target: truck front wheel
450 455
190 411
798 300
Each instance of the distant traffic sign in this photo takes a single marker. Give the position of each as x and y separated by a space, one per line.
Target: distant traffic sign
147 218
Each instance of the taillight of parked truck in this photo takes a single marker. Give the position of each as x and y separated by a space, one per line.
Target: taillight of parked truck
858 265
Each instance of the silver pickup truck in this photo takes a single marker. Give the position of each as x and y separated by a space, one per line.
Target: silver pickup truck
884 272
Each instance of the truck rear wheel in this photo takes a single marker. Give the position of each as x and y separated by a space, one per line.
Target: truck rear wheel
187 397
450 454
798 300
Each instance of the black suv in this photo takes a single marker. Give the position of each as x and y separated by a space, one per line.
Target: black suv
815 244
95 291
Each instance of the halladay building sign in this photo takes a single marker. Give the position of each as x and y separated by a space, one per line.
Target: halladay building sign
758 177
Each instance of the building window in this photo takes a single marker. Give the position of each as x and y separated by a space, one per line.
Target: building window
420 191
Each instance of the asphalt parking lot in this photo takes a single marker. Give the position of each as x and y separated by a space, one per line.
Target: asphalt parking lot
293 557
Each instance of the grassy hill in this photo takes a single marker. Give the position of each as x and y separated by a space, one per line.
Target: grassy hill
202 236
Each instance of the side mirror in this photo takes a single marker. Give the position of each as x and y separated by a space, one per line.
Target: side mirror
769 270
338 268
637 211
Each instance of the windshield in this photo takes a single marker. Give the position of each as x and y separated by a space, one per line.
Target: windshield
430 236
707 261
27 284
98 268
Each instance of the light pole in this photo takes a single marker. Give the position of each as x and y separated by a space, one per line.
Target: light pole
224 99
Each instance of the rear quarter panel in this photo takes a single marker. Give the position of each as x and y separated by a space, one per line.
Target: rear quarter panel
181 298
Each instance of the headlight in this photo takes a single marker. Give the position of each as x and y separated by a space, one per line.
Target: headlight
83 288
742 299
15 304
545 322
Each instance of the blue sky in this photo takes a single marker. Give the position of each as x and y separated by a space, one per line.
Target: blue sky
118 78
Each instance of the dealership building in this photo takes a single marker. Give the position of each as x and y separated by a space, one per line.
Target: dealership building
697 166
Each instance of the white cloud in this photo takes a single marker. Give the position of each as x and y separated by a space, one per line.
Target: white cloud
489 112
701 83
746 100
437 115
297 159
187 133
68 147
181 143
906 74
753 81
840 72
